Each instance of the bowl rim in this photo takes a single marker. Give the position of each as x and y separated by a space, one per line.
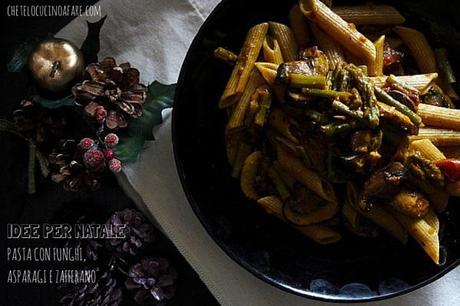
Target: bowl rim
185 186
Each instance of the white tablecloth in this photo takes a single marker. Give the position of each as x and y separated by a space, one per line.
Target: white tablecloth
154 36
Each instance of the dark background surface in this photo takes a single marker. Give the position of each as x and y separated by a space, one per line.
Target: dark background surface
51 203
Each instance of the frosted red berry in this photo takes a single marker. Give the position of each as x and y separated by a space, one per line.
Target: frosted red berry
115 165
86 143
93 158
100 113
109 154
111 140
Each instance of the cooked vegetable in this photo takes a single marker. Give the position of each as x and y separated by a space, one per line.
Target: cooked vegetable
387 99
225 55
304 122
411 203
425 170
395 119
326 93
436 97
450 168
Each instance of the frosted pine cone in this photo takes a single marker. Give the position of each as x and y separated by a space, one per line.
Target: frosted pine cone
137 231
152 281
105 292
67 166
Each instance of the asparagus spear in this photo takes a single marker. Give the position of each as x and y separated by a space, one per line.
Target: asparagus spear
387 99
301 80
225 55
370 110
326 93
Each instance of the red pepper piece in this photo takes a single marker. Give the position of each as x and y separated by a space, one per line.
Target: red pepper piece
451 168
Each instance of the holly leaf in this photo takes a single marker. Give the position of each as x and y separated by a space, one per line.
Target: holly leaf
129 147
132 142
159 97
52 104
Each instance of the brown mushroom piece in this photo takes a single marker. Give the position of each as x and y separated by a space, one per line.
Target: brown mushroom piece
424 171
436 97
366 141
383 184
410 203
317 59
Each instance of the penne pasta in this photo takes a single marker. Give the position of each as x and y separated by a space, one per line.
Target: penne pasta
356 222
281 123
378 215
296 92
438 197
432 219
268 71
232 141
332 50
343 32
422 82
370 14
419 47
328 3
272 51
375 68
447 76
394 42
439 116
426 149
305 176
249 174
236 119
319 233
423 233
439 137
244 149
299 26
244 65
318 215
285 37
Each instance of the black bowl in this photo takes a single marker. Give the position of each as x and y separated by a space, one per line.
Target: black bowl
356 269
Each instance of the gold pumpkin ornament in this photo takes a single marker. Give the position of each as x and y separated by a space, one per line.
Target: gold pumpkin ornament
55 64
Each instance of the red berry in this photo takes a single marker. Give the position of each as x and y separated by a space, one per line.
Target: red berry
111 140
115 165
101 113
93 158
86 143
109 154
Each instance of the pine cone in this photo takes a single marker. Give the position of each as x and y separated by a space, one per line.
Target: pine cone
105 292
152 281
67 166
37 123
137 230
115 88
